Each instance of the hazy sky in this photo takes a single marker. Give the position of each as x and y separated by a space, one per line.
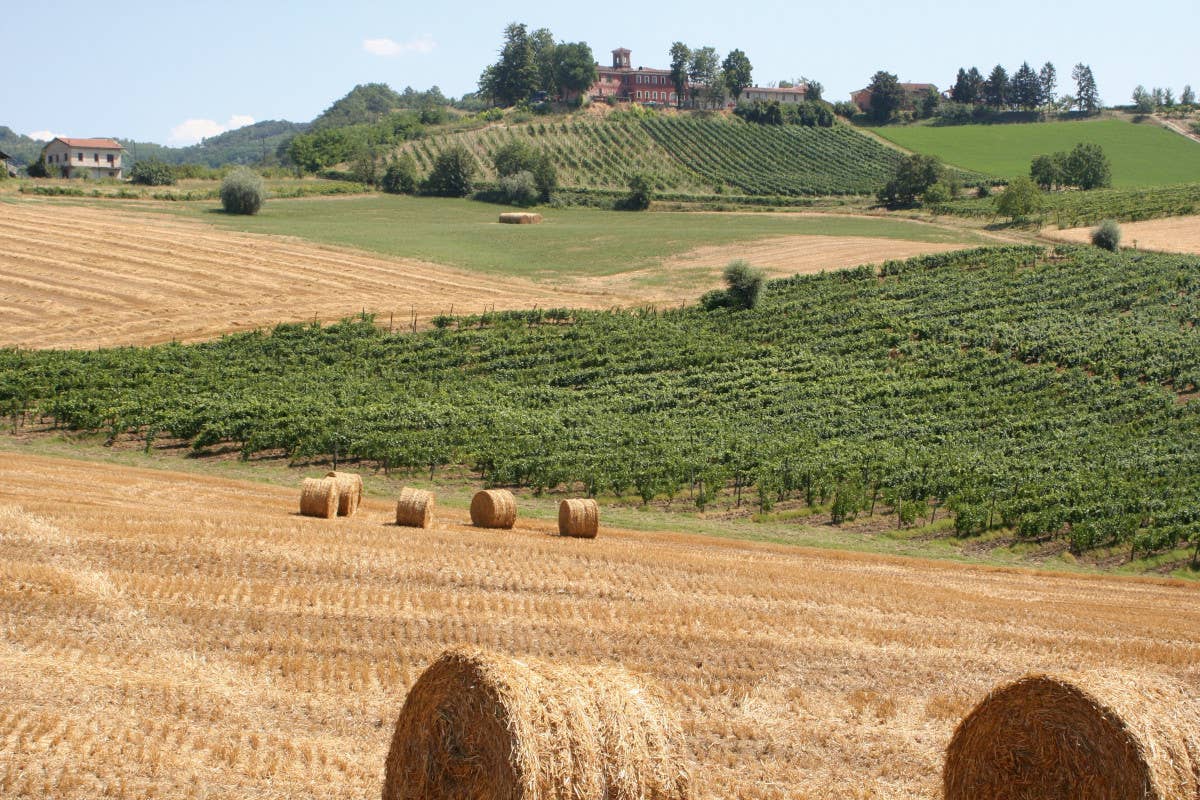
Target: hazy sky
172 72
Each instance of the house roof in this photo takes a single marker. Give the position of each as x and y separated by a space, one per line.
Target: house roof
94 144
780 89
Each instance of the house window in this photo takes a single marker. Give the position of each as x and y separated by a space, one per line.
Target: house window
95 158
81 157
110 158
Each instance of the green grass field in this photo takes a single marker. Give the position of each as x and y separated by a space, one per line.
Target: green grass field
1141 155
572 241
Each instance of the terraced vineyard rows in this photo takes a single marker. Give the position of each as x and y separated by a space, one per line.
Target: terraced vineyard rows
691 156
1019 390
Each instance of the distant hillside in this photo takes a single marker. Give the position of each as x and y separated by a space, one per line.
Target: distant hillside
248 145
687 155
370 102
1142 155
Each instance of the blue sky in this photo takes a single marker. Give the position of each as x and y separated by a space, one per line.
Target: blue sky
172 71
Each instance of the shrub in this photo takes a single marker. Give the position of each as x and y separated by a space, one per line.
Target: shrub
1020 199
1107 235
940 192
39 168
641 192
744 284
453 173
400 176
517 156
520 189
242 192
152 172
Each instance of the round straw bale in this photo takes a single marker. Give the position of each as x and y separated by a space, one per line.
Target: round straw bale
579 518
414 508
493 508
1101 736
481 726
319 497
350 488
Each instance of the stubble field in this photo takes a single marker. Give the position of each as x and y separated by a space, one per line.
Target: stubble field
174 635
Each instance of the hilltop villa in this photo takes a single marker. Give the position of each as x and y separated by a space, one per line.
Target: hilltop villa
95 158
651 86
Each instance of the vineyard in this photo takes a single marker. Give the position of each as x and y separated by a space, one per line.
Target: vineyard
1039 393
688 156
1072 209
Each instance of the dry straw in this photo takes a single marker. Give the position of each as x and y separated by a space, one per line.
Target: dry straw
487 727
520 218
414 509
1102 736
579 518
350 489
319 497
493 508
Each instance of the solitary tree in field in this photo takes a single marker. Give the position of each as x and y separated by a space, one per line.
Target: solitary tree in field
1087 96
1087 167
913 177
681 56
886 96
1020 199
736 71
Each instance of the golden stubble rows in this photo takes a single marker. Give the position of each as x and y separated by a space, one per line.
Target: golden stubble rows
77 276
172 635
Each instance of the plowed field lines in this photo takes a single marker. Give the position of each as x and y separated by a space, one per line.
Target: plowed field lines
172 635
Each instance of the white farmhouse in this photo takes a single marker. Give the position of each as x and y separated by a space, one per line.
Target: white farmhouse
95 158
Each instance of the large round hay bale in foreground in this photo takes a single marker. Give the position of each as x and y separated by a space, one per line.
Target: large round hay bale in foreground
319 497
520 218
479 726
414 509
579 517
1097 737
493 508
350 488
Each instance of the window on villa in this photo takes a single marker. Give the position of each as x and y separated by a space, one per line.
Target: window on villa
110 158
95 158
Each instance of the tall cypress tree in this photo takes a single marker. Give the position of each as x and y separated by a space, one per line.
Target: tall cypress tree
995 88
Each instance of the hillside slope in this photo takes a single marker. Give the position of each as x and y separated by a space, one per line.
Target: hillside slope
1141 155
687 155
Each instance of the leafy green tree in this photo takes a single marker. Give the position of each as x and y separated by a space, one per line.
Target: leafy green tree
1143 101
1020 199
913 176
152 172
1087 167
453 173
39 168
1087 96
681 56
1026 88
996 88
574 67
542 43
1047 171
641 192
401 176
242 192
515 76
520 188
704 72
518 156
1107 235
814 89
736 72
886 96
968 87
927 104
1047 80
1187 97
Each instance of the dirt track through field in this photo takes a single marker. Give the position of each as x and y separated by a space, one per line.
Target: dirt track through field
73 276
1168 235
172 635
83 277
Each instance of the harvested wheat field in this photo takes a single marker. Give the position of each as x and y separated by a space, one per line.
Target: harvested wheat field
1168 235
240 650
74 276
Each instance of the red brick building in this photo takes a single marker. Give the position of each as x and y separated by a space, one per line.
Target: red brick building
622 81
912 93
